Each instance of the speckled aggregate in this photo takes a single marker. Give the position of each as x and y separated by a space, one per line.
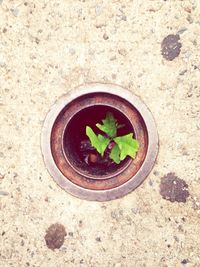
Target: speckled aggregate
46 49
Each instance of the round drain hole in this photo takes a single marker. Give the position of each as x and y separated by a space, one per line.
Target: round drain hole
63 137
74 135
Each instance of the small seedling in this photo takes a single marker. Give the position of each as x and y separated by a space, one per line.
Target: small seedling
121 146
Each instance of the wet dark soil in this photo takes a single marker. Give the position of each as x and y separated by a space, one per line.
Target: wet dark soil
171 46
173 188
55 236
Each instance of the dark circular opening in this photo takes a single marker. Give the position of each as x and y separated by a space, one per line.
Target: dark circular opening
75 136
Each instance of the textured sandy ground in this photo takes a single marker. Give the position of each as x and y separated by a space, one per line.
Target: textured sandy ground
47 48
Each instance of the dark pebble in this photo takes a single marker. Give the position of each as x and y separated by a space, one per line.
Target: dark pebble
156 173
98 239
105 36
185 261
4 193
71 234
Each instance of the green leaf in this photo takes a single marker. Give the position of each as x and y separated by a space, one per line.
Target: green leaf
98 141
128 146
114 154
109 125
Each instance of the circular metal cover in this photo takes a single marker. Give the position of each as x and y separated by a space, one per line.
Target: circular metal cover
106 188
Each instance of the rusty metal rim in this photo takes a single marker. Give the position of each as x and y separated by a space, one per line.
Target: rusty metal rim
88 175
56 142
101 195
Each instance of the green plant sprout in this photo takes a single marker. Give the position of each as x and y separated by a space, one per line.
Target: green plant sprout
123 146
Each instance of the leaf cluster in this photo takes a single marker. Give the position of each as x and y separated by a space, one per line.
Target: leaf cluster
123 145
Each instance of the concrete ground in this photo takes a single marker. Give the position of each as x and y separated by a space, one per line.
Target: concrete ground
47 48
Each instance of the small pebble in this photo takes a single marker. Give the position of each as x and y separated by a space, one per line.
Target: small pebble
150 182
122 52
182 30
183 72
185 261
71 234
4 193
93 158
15 11
37 40
2 176
113 58
105 36
156 173
189 19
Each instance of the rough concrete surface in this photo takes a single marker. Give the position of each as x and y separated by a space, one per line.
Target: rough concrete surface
47 48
